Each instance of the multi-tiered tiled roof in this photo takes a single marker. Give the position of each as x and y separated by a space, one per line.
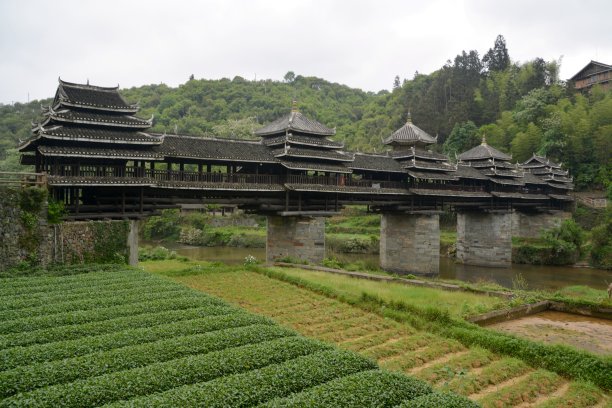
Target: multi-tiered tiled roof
92 121
549 172
300 143
409 149
493 164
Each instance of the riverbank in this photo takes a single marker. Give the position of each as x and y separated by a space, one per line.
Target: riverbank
354 231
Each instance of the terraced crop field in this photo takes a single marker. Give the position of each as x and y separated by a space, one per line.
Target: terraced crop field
128 338
490 379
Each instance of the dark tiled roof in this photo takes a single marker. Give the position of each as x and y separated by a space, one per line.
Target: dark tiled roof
562 185
543 171
428 165
418 153
468 172
503 173
529 178
85 134
295 121
93 97
443 193
329 167
374 162
347 189
505 194
99 118
561 197
507 181
540 161
409 133
109 152
483 151
437 175
302 152
302 140
215 149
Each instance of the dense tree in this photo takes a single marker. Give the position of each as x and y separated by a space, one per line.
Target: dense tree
463 137
497 58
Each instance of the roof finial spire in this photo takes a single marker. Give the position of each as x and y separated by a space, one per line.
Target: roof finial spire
484 139
409 120
294 106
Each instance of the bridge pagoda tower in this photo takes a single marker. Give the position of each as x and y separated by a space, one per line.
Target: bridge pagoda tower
312 162
410 239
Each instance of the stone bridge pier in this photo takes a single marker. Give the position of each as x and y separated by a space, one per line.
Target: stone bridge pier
410 243
485 238
531 224
297 237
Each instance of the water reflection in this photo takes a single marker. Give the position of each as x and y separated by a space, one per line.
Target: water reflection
536 277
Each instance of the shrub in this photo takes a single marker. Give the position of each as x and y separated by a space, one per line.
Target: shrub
566 242
257 386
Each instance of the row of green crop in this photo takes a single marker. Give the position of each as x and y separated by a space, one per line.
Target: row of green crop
60 270
33 282
361 389
260 385
22 356
95 302
27 378
77 317
48 298
364 390
77 331
159 377
563 360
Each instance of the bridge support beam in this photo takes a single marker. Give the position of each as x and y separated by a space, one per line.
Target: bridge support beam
296 237
485 238
410 243
132 243
531 224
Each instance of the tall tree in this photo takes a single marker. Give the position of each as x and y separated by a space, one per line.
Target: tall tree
497 58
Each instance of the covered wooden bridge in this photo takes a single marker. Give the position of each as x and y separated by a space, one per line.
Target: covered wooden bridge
102 161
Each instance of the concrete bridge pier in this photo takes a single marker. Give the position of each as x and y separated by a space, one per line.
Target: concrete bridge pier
410 243
297 237
485 238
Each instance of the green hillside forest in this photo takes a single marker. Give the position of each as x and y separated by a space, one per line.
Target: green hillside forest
521 107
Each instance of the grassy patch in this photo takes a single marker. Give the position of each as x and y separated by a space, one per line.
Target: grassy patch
459 304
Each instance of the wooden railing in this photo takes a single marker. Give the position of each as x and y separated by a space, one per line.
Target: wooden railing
18 179
592 202
342 180
450 187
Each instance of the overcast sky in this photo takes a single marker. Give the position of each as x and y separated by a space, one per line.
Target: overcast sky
359 43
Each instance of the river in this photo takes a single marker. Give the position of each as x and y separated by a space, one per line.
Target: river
535 277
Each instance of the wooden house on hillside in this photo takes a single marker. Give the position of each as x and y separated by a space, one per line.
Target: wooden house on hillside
594 73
